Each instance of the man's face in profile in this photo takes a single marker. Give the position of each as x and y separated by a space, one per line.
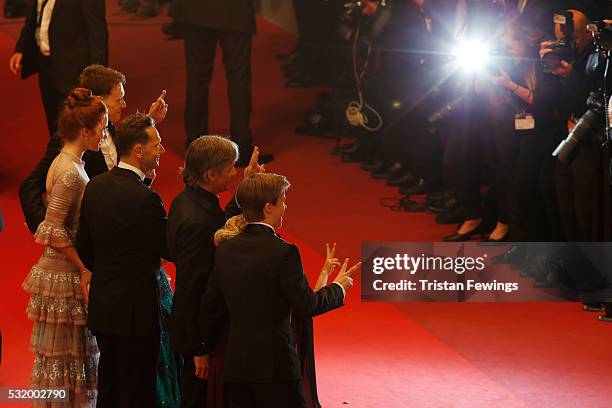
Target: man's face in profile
152 151
223 177
115 102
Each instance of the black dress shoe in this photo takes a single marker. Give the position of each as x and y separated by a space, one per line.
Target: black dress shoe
419 187
354 157
402 180
439 197
450 217
372 166
350 148
443 207
386 173
593 307
457 237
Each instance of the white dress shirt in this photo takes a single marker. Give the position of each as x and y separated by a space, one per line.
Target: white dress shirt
44 11
109 151
136 170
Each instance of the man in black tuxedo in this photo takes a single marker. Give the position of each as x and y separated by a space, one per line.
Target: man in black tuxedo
194 217
58 40
231 24
259 282
109 84
121 239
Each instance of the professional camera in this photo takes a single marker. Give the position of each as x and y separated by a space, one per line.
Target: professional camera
563 49
591 123
602 35
352 18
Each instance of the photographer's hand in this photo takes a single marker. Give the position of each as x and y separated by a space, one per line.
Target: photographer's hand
564 70
545 48
503 80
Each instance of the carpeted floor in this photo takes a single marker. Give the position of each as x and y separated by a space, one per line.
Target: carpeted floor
368 354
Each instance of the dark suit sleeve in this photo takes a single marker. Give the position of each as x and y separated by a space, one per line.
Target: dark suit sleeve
154 225
213 314
84 243
195 254
194 260
294 285
97 31
33 186
27 31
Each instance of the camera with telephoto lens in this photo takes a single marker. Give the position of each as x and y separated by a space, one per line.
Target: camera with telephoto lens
602 35
352 19
591 123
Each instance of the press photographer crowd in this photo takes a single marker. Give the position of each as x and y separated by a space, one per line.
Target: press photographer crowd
489 114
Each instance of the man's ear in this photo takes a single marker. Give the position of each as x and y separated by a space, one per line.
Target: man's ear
210 175
137 151
267 209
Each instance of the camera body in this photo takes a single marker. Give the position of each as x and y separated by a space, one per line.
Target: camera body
562 50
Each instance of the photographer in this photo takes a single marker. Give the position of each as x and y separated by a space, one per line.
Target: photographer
574 183
407 76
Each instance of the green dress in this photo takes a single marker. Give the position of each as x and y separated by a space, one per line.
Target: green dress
168 372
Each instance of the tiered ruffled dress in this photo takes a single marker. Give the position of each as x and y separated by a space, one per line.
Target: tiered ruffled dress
66 354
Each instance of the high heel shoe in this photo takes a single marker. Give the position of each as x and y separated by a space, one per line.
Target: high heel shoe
457 237
489 239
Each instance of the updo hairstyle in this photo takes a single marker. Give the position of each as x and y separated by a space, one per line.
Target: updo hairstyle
82 110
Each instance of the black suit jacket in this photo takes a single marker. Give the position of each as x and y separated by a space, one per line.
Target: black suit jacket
34 185
259 282
121 239
226 15
78 37
193 219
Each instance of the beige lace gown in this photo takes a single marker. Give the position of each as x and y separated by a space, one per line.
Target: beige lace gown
66 354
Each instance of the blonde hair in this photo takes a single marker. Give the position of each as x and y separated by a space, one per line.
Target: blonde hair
232 227
258 189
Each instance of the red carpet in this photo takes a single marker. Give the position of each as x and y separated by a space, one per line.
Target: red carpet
368 354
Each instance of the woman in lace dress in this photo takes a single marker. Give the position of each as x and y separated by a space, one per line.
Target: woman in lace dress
65 352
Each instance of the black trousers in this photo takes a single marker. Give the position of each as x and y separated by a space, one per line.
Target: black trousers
127 371
505 150
578 194
200 48
52 98
533 217
194 391
265 395
462 161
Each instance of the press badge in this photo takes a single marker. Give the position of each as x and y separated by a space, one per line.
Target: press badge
524 121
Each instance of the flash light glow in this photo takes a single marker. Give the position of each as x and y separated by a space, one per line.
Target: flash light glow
471 55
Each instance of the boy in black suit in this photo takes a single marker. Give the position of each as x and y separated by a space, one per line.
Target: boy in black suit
258 281
121 239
